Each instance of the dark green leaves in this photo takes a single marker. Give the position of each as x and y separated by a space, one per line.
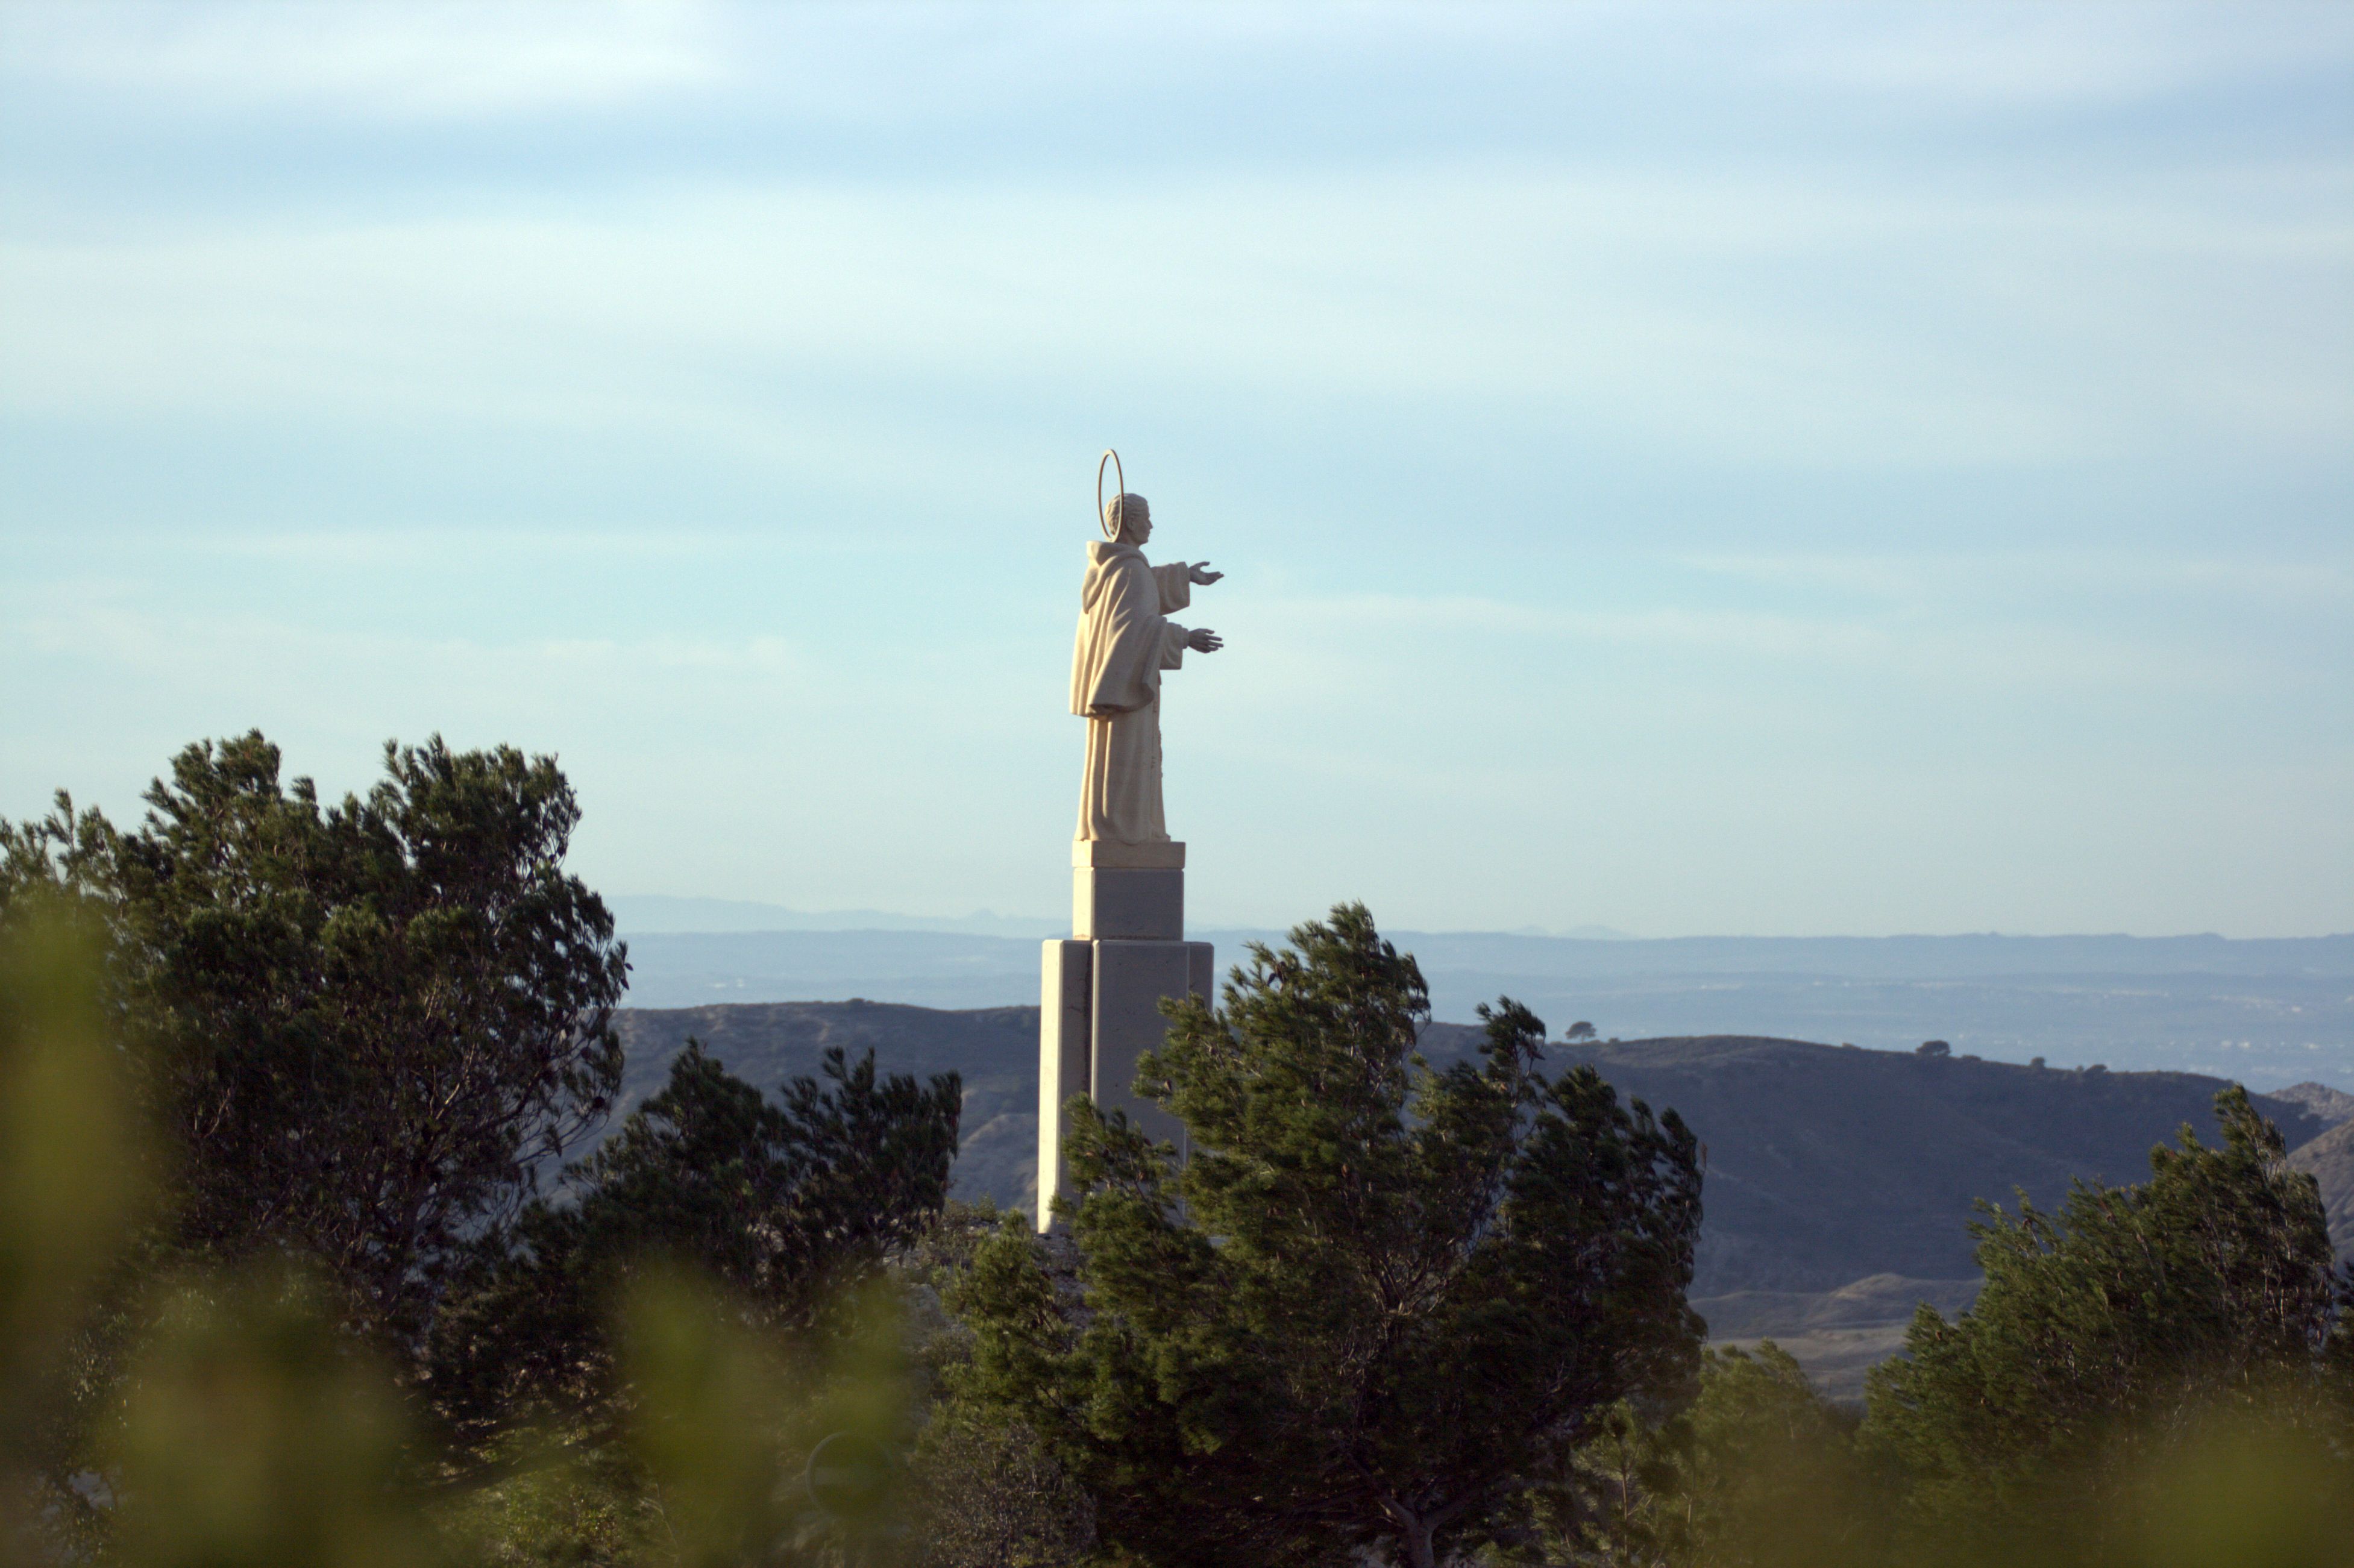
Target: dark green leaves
790 1203
1375 1297
364 1025
2111 1325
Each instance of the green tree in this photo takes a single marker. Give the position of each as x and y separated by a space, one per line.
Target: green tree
2110 1327
987 1496
791 1204
364 1025
1625 1500
1759 1471
1773 1477
1377 1299
984 1492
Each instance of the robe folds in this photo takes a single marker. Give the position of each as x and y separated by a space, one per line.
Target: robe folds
1125 641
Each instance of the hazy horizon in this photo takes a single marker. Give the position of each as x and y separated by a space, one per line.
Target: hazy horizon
2268 1011
670 914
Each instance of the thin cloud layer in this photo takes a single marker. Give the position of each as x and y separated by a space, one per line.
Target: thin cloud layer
1711 468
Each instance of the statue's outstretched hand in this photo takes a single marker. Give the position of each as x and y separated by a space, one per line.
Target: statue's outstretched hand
1200 573
1202 640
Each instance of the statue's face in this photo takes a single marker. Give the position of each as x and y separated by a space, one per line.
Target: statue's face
1135 517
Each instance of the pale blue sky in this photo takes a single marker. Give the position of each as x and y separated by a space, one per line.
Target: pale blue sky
1761 469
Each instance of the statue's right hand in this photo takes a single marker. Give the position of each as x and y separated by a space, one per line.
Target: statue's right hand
1202 640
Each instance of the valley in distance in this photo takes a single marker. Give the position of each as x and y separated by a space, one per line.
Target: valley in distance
1842 1163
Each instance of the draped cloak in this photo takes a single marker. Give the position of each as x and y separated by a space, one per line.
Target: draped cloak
1125 641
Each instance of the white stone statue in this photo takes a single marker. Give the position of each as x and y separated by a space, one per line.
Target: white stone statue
1125 640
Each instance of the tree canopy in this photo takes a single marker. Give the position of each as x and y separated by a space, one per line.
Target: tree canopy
364 1024
2110 1326
1757 1472
1378 1299
791 1204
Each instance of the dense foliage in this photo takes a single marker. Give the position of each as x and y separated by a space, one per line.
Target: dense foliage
791 1205
2155 1373
354 1038
364 1025
1375 1303
2109 1327
1758 1469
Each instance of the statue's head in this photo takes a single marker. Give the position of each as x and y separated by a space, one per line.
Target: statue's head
1128 518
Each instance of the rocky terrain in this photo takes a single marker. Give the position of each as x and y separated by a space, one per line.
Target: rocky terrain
2329 1161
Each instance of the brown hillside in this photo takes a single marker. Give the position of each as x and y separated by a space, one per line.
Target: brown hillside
1825 1164
995 1049
2329 1161
2332 1106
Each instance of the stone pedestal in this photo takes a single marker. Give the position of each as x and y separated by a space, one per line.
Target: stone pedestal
1100 1000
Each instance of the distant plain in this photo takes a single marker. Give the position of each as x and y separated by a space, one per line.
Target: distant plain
2268 1013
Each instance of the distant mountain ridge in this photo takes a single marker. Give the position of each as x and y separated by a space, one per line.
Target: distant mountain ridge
670 914
2269 1013
646 914
1968 956
1594 951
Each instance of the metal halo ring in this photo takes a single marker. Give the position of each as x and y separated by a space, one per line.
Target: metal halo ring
1112 529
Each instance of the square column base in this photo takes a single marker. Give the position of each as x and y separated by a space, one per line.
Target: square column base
1127 892
1128 904
1100 1010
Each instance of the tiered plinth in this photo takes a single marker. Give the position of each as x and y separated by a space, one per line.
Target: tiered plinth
1100 1002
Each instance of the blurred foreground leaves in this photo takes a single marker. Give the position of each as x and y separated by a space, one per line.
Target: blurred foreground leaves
248 1423
254 1433
74 1182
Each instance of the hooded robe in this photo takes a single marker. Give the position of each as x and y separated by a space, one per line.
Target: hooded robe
1125 640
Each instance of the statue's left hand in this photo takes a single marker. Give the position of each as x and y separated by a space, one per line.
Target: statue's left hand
1199 572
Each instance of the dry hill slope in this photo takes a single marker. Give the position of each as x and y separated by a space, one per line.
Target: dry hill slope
1829 1163
995 1049
2332 1106
2329 1161
1825 1165
1840 1182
